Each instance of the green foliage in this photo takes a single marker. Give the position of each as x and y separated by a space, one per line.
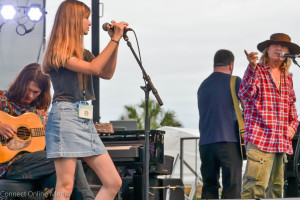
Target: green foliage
158 117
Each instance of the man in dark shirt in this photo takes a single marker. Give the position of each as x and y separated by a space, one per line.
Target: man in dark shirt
219 139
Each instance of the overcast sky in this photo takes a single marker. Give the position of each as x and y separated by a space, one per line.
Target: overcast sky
178 40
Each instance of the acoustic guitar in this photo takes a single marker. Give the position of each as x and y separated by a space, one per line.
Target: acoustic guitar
30 135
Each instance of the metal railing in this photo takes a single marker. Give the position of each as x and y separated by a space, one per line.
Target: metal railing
184 163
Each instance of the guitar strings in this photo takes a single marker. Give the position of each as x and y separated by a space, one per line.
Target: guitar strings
23 133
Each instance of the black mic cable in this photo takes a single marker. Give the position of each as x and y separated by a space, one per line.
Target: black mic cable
105 28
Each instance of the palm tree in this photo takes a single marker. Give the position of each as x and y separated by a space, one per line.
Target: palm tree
158 117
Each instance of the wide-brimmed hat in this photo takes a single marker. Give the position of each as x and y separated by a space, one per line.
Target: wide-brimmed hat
279 38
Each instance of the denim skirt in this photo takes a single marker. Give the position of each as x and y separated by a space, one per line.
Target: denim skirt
67 135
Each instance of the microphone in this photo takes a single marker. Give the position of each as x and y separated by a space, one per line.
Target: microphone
282 55
105 28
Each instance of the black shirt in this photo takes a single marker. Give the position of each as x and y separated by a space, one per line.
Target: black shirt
218 122
69 85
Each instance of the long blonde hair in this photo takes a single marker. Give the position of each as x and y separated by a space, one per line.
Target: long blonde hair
66 39
285 65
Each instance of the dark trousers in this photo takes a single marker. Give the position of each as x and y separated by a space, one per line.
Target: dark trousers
35 166
225 156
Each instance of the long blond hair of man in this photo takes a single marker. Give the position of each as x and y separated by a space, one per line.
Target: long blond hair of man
66 39
264 59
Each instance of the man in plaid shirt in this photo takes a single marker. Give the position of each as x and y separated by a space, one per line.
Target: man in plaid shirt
270 116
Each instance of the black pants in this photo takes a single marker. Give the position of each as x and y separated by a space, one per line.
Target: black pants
35 166
225 155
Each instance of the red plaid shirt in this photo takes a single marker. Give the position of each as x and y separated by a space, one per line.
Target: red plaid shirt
268 112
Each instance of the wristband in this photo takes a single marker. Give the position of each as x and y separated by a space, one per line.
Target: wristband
115 41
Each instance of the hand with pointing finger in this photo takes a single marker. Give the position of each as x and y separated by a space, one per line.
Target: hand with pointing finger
252 58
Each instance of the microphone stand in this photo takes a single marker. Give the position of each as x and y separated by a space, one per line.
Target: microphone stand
147 88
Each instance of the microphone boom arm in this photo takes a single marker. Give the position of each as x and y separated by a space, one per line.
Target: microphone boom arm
145 75
146 154
295 62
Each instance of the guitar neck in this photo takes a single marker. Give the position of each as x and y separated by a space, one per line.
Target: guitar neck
37 132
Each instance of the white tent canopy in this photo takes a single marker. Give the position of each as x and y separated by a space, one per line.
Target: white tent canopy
190 153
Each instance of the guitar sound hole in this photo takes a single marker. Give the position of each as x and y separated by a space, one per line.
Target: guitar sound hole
23 133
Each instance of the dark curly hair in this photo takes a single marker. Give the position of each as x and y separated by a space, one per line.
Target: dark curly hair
18 88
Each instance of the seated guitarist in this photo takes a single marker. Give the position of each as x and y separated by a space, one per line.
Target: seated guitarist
30 92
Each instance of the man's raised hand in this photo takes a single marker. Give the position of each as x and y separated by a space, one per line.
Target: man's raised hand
252 58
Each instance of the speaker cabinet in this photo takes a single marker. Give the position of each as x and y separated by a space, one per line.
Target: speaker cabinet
164 168
132 187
